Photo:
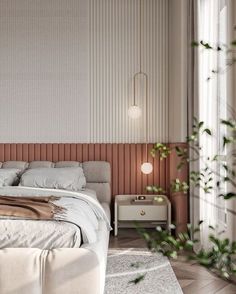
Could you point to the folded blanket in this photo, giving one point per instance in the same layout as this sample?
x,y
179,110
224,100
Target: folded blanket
x,y
30,207
82,210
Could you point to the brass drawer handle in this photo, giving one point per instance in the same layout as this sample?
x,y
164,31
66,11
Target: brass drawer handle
x,y
142,212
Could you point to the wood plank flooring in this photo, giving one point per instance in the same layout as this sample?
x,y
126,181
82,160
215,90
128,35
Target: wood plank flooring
x,y
192,278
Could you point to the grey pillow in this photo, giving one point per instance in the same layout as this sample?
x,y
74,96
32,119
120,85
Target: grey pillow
x,y
68,164
41,164
71,178
97,171
15,164
8,176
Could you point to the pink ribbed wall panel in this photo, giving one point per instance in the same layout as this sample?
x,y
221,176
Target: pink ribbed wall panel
x,y
125,160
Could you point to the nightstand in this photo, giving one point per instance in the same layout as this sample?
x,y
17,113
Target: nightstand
x,y
154,210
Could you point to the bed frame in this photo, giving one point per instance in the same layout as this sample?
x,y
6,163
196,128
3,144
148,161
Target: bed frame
x,y
64,270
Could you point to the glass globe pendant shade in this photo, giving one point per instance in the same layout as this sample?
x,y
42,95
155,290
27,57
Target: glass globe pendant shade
x,y
146,168
134,112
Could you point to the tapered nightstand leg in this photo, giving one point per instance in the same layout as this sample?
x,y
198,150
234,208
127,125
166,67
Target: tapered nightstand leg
x,y
116,221
169,218
115,229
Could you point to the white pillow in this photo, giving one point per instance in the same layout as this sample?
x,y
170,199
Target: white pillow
x,y
71,178
8,176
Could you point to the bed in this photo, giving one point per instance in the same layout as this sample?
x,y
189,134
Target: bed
x,y
81,269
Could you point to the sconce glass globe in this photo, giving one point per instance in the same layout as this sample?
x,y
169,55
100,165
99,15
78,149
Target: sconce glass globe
x,y
146,168
134,111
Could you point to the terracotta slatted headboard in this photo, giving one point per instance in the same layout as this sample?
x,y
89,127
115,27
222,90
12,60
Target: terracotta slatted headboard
x,y
125,160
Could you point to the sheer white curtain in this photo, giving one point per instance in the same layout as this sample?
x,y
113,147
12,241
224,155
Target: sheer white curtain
x,y
212,23
208,33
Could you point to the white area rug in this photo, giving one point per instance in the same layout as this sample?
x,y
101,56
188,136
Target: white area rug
x,y
159,276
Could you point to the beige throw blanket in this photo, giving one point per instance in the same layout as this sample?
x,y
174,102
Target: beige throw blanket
x,y
30,207
84,211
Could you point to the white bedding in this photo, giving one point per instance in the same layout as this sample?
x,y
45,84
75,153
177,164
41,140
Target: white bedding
x,y
52,234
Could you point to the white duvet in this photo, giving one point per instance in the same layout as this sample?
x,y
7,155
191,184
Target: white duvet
x,y
83,212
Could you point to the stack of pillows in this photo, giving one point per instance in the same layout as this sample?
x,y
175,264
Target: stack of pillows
x,y
44,174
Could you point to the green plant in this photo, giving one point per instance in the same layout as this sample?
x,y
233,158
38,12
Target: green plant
x,y
155,189
178,186
162,149
220,257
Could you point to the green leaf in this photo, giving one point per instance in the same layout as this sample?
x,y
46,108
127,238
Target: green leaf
x,y
233,43
225,242
194,44
189,244
228,123
149,188
137,280
204,261
215,158
227,140
208,131
206,45
178,150
159,228
136,264
146,236
200,124
225,166
233,245
189,226
228,195
225,274
173,255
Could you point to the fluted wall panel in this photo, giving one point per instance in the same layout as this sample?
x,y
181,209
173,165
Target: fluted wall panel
x,y
114,59
44,72
66,70
125,161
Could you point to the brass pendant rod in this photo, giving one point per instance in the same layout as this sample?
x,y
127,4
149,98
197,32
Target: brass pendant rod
x,y
141,73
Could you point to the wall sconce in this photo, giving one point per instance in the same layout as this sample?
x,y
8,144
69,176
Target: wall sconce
x,y
146,168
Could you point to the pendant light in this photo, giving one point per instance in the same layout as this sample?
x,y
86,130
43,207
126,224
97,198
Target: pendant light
x,y
134,111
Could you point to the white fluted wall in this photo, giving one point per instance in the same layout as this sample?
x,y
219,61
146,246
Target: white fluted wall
x,y
44,71
66,70
114,59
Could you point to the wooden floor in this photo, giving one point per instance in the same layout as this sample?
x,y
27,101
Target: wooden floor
x,y
192,278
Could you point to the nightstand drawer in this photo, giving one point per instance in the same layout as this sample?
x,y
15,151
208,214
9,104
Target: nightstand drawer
x,y
142,212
